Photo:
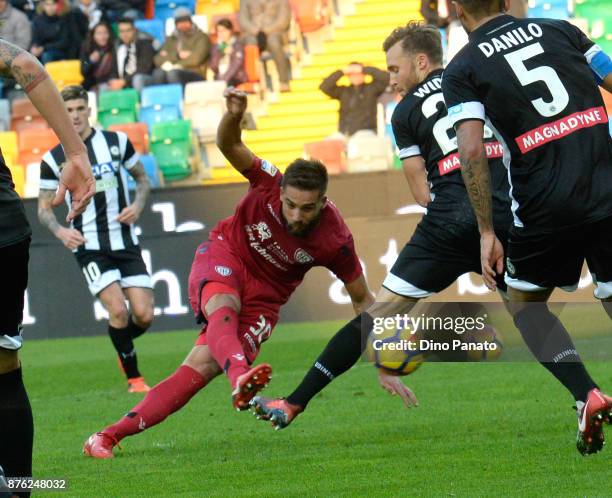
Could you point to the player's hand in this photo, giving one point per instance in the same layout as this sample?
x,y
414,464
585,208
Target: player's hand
x,y
236,101
491,258
70,237
129,215
77,178
394,386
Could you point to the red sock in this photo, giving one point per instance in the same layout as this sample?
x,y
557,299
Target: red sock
x,y
164,399
225,347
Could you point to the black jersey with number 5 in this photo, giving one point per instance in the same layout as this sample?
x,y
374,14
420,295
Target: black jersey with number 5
x,y
532,80
422,128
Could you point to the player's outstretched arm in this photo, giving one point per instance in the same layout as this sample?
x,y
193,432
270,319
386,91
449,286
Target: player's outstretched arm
x,y
131,213
76,176
361,296
477,178
229,139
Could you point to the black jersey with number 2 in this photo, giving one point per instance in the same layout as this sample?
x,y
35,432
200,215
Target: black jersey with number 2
x,y
532,80
422,127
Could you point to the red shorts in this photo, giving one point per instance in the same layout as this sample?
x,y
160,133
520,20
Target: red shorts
x,y
215,261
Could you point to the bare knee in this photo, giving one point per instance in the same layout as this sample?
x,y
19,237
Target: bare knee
x,y
202,362
118,314
142,313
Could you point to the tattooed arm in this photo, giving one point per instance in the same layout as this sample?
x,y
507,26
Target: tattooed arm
x,y
25,69
477,179
131,213
70,237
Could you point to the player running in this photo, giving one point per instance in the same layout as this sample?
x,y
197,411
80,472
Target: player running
x,y
445,243
560,167
103,238
244,273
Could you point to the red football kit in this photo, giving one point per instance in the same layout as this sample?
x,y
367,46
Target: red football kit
x,y
253,253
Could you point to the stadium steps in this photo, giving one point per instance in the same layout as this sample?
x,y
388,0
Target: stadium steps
x,y
306,114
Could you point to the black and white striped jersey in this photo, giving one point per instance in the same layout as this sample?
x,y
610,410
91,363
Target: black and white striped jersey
x,y
111,155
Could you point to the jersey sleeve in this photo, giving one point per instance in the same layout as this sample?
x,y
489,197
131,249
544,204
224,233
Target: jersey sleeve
x,y
49,173
345,264
262,173
578,38
129,156
461,96
404,138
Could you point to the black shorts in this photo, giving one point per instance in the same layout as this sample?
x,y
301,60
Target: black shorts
x,y
439,252
104,268
14,258
540,260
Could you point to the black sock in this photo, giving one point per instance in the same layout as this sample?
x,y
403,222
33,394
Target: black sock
x,y
133,329
16,427
341,353
552,346
124,346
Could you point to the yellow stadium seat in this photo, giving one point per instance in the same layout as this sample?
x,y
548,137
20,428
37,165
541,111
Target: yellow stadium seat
x,y
18,174
211,8
9,147
65,73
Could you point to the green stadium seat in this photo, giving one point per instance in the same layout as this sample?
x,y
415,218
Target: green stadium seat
x,y
117,107
171,146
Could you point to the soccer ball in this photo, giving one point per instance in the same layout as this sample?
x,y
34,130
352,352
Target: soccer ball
x,y
396,352
487,335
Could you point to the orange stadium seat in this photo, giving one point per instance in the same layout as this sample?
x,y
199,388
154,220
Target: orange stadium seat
x,y
138,133
329,152
33,144
65,73
607,100
25,116
310,14
252,66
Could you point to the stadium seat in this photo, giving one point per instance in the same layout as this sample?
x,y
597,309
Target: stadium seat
x,y
203,92
5,114
138,133
367,151
212,8
205,119
33,144
65,73
549,11
9,147
199,20
154,27
311,15
330,153
252,66
117,107
25,116
150,167
607,98
161,103
18,174
164,9
171,146
32,180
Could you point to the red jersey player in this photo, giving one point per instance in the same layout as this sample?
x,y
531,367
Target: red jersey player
x,y
244,273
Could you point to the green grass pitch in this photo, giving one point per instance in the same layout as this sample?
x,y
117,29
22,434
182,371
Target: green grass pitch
x,y
490,429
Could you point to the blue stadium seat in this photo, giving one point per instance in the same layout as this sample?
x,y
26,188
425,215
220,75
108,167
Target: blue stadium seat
x,y
154,27
165,8
153,172
161,103
549,11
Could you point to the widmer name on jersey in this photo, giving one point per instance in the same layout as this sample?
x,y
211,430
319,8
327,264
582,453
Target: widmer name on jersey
x,y
510,39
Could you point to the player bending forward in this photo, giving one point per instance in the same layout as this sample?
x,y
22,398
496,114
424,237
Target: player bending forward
x,y
243,274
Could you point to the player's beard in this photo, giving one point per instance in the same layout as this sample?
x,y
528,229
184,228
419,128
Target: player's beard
x,y
303,230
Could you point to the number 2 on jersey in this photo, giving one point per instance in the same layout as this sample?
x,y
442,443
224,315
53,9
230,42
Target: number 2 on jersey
x,y
545,74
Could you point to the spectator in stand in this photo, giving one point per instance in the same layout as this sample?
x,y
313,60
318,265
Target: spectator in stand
x,y
134,57
118,9
82,18
358,100
98,59
227,55
184,54
50,33
90,13
28,7
266,23
15,26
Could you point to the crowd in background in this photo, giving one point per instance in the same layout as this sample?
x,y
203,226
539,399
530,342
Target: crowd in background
x,y
114,54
